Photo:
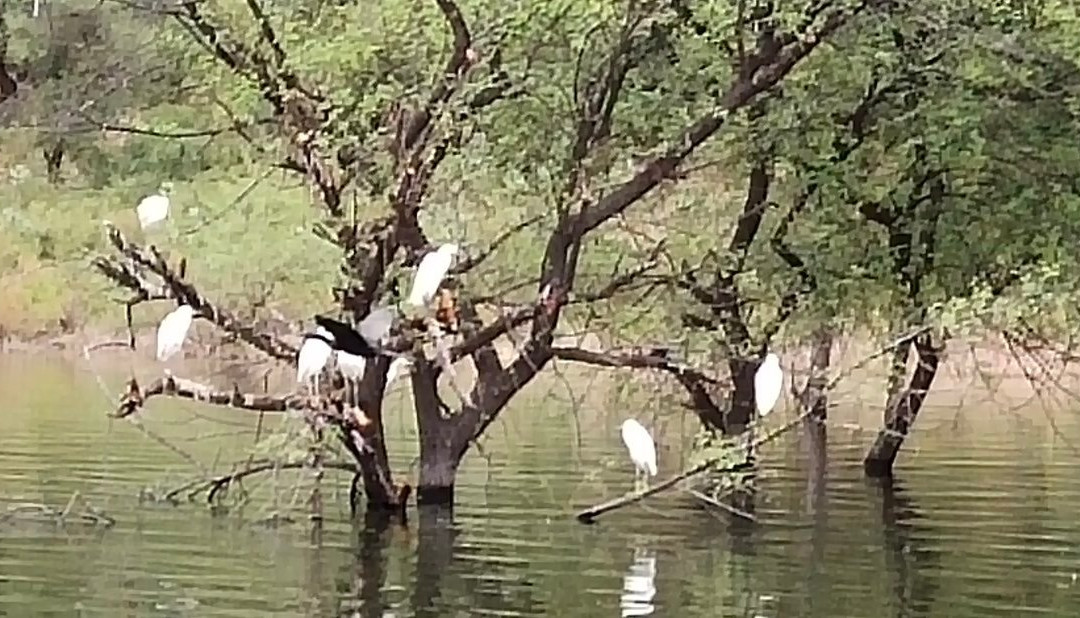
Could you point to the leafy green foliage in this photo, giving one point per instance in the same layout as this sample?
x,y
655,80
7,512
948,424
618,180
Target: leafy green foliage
x,y
979,96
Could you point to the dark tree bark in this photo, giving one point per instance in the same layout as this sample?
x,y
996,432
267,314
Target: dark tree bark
x,y
814,397
911,227
8,85
439,455
900,416
53,154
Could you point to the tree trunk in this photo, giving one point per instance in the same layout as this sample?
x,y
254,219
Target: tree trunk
x,y
368,446
742,396
439,453
900,416
727,307
813,398
8,85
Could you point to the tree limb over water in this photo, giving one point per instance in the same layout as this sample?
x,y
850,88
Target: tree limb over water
x,y
808,407
696,383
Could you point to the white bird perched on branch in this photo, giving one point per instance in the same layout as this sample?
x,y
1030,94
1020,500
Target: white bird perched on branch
x,y
173,330
768,384
429,275
397,367
154,209
376,325
314,354
642,450
353,346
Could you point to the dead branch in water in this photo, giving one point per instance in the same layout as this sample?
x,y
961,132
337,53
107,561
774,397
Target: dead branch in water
x,y
41,512
590,514
213,486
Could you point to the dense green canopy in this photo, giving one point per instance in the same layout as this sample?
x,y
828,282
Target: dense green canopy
x,y
713,177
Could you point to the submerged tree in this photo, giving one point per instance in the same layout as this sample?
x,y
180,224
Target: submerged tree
x,y
373,118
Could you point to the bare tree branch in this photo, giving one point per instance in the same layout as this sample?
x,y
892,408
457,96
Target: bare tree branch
x,y
176,287
694,381
473,261
134,398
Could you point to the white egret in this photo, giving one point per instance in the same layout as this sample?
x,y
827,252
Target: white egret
x,y
314,354
768,384
642,450
154,209
351,367
376,325
173,330
346,338
397,367
353,346
429,275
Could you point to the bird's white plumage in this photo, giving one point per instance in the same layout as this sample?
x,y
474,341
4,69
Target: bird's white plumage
x,y
397,366
152,210
768,384
641,446
351,365
429,275
376,325
173,330
313,356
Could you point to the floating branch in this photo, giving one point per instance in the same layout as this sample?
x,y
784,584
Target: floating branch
x,y
590,514
42,512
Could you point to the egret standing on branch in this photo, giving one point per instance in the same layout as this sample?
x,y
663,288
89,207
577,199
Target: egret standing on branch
x,y
768,384
154,209
429,275
642,450
397,366
173,330
313,356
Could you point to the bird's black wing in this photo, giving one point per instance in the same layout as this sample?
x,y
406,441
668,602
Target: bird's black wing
x,y
346,338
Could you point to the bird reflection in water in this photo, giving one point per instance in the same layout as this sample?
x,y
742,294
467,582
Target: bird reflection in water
x,y
639,585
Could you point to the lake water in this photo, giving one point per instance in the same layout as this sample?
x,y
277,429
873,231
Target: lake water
x,y
983,519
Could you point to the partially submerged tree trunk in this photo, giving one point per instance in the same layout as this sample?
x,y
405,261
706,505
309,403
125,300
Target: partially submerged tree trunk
x,y
814,398
911,227
814,403
900,416
439,454
422,139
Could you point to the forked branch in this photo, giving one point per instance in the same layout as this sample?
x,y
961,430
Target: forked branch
x,y
129,271
135,397
696,383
